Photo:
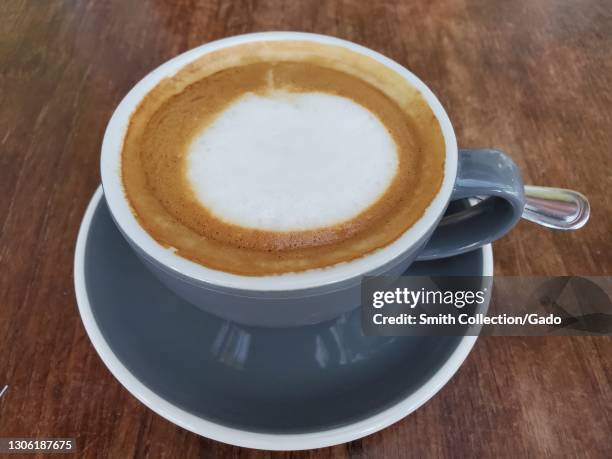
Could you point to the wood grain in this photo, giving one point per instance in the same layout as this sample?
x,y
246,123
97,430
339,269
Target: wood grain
x,y
530,78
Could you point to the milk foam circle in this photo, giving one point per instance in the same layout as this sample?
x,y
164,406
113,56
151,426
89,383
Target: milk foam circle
x,y
291,161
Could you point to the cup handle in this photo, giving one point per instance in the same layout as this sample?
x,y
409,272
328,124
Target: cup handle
x,y
493,179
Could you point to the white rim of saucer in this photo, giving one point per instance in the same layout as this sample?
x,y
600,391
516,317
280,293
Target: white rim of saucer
x,y
112,145
243,438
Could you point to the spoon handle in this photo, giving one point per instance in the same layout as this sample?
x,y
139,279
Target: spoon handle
x,y
556,208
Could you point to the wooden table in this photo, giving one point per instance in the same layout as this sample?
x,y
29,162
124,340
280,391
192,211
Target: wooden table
x,y
531,78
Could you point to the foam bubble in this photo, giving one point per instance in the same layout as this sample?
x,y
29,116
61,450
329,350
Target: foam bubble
x,y
291,161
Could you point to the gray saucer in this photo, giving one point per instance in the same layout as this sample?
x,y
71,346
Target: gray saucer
x,y
260,380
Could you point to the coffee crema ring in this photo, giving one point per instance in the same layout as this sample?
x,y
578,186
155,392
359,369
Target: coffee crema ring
x,y
184,140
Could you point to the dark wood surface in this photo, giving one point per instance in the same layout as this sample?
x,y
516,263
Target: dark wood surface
x,y
531,78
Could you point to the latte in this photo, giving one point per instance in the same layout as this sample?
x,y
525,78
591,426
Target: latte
x,y
281,156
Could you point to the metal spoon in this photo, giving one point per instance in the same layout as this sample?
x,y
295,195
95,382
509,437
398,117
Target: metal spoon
x,y
556,208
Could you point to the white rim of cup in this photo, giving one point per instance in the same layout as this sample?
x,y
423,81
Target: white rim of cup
x,y
243,438
120,209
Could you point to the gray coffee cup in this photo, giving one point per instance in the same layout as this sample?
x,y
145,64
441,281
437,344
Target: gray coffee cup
x,y
313,296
